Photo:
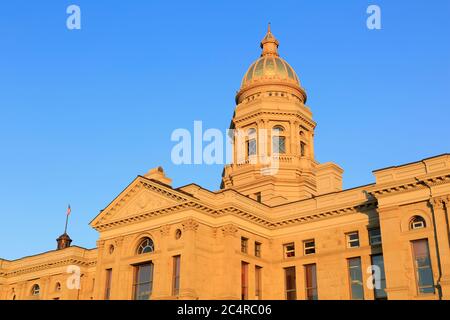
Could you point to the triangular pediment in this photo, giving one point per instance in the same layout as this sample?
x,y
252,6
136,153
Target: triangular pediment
x,y
141,196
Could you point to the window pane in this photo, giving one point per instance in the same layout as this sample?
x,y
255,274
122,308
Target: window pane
x,y
258,279
424,271
380,293
355,275
244,245
108,284
309,247
176,276
311,282
278,144
251,147
143,282
244,280
291,293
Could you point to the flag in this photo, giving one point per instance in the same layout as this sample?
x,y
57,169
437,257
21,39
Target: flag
x,y
68,210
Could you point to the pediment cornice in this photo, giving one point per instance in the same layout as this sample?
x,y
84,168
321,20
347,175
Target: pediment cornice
x,y
164,197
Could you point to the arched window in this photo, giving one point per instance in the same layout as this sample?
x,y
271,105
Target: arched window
x,y
278,140
58,286
417,222
145,246
302,149
251,142
303,145
35,290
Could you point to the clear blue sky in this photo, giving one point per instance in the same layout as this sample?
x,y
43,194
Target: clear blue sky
x,y
84,112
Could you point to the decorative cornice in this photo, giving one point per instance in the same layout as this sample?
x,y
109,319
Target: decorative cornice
x,y
50,264
261,220
298,115
412,185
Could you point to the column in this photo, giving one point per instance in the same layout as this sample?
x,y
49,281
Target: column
x,y
397,274
116,292
231,267
294,140
162,282
442,237
98,288
188,272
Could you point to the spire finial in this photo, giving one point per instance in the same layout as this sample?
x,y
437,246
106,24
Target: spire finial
x,y
269,44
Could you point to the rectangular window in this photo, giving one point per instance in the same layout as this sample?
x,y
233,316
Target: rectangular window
x,y
259,197
290,283
379,284
176,276
375,236
356,280
257,249
352,239
311,282
279,144
244,245
251,147
422,265
244,281
108,284
309,247
143,281
289,250
302,149
258,282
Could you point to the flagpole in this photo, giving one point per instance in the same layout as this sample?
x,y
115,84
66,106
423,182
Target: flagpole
x,y
67,217
67,220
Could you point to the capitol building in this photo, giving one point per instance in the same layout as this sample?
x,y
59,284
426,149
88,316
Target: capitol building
x,y
293,233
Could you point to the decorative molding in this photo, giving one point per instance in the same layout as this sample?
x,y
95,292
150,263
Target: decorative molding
x,y
231,210
410,186
118,242
165,230
311,124
437,203
51,264
446,201
190,224
125,197
229,230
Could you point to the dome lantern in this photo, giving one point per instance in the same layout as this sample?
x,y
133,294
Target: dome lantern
x,y
269,44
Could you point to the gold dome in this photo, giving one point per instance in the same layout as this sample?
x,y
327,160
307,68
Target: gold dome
x,y
270,69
